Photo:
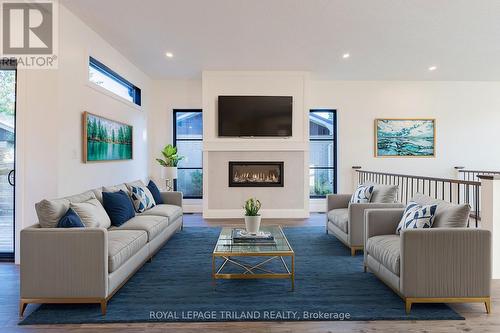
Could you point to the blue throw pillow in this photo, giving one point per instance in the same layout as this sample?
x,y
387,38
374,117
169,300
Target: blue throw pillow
x,y
118,206
70,220
155,192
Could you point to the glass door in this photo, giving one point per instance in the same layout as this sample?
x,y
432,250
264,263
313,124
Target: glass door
x,y
7,160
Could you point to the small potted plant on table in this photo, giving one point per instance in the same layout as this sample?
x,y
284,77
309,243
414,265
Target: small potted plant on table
x,y
252,216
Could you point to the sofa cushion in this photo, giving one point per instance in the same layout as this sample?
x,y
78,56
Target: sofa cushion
x,y
339,218
51,211
362,194
118,206
155,192
170,211
141,198
417,217
383,193
122,245
116,188
447,215
70,220
386,249
153,225
98,193
137,183
92,213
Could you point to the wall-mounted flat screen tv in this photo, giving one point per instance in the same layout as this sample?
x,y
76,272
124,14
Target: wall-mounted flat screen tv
x,y
255,116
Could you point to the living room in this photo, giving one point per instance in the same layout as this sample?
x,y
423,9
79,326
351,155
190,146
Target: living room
x,y
346,146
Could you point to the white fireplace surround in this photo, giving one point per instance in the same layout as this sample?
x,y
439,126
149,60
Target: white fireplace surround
x,y
222,201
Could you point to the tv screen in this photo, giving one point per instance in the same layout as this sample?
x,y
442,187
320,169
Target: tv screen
x,y
264,116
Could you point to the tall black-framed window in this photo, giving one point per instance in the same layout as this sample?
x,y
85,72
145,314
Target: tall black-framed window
x,y
8,100
322,152
188,138
108,79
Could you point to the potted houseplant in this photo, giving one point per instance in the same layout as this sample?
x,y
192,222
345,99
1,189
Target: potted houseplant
x,y
252,216
169,162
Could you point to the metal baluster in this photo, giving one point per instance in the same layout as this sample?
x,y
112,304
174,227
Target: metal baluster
x,y
476,203
406,199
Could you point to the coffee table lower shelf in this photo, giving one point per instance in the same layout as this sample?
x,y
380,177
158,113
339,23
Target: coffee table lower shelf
x,y
254,270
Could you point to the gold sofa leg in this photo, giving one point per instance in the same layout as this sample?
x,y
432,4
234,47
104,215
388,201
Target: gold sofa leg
x,y
104,305
408,304
485,300
355,248
22,307
487,304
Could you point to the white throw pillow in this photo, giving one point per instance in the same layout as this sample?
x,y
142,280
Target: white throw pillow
x,y
141,198
362,194
417,217
92,213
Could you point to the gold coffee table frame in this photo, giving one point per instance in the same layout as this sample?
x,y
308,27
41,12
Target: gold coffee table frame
x,y
231,254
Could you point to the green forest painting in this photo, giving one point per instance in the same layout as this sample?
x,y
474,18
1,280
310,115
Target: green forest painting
x,y
105,139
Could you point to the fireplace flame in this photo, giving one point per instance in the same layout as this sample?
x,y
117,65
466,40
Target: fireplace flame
x,y
256,177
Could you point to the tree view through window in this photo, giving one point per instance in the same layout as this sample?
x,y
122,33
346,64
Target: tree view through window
x,y
7,157
188,138
322,159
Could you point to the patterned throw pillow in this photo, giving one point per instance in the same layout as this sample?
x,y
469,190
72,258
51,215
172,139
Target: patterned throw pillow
x,y
416,216
141,198
362,194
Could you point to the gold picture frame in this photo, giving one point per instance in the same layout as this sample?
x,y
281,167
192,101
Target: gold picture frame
x,y
122,138
406,148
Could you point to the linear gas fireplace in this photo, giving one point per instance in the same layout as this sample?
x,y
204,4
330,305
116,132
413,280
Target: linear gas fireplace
x,y
255,174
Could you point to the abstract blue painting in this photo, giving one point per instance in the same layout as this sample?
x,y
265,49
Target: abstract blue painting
x,y
405,137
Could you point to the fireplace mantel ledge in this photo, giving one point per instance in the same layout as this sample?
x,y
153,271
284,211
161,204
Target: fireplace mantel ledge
x,y
255,146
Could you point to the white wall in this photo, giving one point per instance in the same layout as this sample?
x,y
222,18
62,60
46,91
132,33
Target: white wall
x,y
466,114
168,95
220,200
467,122
49,124
76,95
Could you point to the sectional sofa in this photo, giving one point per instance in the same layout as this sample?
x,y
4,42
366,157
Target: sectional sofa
x,y
89,265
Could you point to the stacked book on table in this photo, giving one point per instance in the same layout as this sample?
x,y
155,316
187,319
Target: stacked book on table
x,y
242,237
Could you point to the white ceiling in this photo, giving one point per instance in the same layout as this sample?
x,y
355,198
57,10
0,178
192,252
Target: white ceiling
x,y
387,39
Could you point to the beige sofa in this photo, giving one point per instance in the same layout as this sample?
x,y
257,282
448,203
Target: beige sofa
x,y
447,263
345,220
89,265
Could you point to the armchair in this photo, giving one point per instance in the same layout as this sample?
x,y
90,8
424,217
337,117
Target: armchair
x,y
435,265
345,220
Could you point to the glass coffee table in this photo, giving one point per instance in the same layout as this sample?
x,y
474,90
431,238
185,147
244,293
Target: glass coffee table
x,y
230,260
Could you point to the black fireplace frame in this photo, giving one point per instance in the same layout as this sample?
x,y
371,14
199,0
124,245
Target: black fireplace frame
x,y
281,183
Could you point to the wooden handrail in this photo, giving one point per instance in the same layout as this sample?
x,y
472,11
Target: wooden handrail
x,y
434,179
480,171
457,191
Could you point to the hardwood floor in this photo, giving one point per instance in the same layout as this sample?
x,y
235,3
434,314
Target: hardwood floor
x,y
476,318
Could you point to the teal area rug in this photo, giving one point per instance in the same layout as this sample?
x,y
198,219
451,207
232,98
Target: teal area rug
x,y
177,286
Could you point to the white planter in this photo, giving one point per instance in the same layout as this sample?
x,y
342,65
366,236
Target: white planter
x,y
169,173
252,224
